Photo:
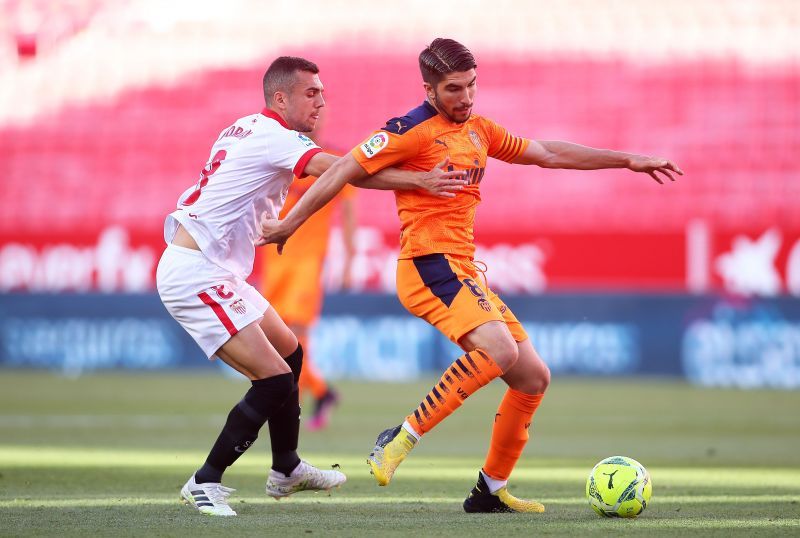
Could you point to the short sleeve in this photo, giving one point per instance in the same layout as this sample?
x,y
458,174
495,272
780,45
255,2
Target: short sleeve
x,y
384,149
290,150
503,145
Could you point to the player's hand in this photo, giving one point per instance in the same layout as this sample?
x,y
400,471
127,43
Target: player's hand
x,y
442,182
651,165
272,231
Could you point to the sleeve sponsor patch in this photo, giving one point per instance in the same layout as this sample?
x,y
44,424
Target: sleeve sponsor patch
x,y
374,145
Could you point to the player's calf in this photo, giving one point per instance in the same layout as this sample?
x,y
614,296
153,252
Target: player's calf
x,y
284,424
466,375
244,421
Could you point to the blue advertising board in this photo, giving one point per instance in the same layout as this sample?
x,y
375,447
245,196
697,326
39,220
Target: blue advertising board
x,y
710,340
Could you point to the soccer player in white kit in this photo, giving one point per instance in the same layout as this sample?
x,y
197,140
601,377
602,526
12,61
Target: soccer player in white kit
x,y
211,239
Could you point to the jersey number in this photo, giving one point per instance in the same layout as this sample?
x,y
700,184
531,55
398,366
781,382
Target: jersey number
x,y
473,287
207,172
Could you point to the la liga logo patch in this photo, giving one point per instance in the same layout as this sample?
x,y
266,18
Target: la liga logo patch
x,y
374,145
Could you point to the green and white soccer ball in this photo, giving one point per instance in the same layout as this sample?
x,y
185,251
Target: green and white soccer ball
x,y
619,487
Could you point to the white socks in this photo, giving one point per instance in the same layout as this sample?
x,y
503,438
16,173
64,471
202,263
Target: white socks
x,y
493,484
407,427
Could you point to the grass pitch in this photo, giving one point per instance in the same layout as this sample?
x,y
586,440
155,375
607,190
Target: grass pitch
x,y
106,455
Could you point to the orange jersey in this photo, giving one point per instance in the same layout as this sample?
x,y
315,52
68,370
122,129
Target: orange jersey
x,y
420,140
292,281
311,239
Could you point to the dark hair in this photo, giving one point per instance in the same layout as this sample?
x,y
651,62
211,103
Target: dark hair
x,y
281,74
444,56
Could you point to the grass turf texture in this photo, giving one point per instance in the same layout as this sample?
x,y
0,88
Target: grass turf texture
x,y
107,455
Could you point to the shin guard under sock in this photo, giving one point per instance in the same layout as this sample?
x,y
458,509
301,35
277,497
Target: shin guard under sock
x,y
284,425
241,428
510,432
466,375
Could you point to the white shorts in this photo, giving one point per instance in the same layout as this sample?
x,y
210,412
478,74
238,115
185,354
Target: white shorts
x,y
209,302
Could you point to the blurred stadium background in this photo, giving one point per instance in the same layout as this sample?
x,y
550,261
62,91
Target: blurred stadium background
x,y
108,109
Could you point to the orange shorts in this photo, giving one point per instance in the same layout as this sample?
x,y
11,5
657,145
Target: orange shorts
x,y
447,292
294,290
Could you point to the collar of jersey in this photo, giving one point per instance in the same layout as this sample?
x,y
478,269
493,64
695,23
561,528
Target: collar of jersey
x,y
268,112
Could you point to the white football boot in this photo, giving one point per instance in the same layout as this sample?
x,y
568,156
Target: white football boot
x,y
305,477
210,498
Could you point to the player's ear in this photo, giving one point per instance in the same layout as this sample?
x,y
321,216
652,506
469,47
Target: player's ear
x,y
279,99
429,91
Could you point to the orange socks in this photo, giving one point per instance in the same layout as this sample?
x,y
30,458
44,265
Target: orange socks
x,y
310,378
510,432
467,374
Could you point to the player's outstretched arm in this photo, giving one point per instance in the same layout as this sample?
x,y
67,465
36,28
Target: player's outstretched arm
x,y
437,181
558,154
319,164
330,182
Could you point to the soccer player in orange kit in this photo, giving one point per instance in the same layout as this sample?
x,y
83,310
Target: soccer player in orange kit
x,y
436,276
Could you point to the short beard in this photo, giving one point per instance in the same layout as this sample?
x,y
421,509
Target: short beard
x,y
301,127
441,109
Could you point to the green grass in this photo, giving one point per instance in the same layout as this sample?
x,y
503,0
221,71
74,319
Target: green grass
x,y
106,456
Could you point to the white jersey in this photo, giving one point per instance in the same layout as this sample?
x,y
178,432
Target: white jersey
x,y
251,166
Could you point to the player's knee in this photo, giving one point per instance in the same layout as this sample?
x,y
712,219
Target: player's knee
x,y
495,339
504,352
539,382
267,394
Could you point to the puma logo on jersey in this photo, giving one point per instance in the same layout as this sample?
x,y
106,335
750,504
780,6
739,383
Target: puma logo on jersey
x,y
437,141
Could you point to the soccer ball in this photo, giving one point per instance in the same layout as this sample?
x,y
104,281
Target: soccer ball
x,y
619,487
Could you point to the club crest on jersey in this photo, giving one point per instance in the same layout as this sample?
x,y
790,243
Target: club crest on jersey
x,y
239,307
371,147
475,139
307,142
